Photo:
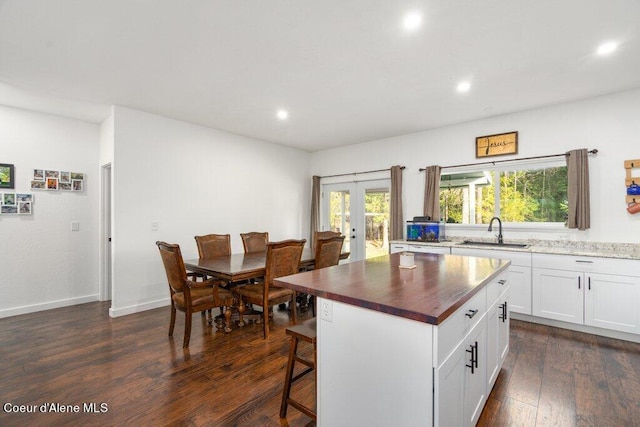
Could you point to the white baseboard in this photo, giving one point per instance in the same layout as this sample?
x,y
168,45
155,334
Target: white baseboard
x,y
32,308
117,312
579,328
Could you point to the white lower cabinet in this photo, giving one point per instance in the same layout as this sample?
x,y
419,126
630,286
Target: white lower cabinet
x,y
466,367
558,294
497,335
462,378
519,274
597,292
520,296
611,302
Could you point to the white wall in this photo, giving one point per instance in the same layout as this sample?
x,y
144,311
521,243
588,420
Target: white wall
x,y
609,123
194,180
43,264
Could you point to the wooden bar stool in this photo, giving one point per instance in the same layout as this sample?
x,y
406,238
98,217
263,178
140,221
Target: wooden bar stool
x,y
306,331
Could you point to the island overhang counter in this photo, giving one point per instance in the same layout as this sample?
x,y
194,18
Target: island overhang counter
x,y
391,340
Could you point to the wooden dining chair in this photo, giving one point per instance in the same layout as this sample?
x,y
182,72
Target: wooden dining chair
x,y
323,235
254,241
283,259
327,253
213,245
190,296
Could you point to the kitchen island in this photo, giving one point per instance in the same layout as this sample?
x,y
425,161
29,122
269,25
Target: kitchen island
x,y
419,346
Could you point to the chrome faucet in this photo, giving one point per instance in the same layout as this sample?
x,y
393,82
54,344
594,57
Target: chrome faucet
x,y
500,242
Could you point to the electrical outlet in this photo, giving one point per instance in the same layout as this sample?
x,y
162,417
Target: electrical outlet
x,y
326,310
75,225
155,226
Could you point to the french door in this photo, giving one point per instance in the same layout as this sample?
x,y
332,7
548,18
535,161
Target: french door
x,y
360,211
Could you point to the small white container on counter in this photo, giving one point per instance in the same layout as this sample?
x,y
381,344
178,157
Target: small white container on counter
x,y
407,260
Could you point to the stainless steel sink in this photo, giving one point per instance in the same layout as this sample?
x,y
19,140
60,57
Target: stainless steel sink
x,y
494,244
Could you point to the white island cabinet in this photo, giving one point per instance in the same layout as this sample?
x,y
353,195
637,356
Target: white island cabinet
x,y
406,347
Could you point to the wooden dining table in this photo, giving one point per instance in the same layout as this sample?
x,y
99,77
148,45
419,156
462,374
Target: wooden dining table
x,y
240,267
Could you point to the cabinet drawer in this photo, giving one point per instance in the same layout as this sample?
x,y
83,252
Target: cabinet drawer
x,y
496,288
449,334
624,267
517,258
429,249
397,247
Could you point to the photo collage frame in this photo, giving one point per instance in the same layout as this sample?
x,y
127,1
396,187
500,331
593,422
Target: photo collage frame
x,y
45,179
16,203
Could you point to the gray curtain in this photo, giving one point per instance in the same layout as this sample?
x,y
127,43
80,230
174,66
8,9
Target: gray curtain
x,y
432,192
578,189
315,208
396,228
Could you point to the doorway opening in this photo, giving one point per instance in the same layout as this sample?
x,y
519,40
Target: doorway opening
x,y
106,285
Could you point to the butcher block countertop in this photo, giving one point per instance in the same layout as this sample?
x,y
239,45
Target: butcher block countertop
x,y
429,293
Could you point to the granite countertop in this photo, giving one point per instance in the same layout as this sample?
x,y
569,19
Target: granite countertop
x,y
559,247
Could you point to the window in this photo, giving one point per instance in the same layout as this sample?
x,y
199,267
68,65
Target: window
x,y
526,193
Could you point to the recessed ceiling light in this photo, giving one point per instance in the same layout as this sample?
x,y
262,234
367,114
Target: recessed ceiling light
x,y
463,87
282,114
412,21
607,48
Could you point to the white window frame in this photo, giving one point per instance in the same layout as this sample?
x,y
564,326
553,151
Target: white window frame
x,y
509,166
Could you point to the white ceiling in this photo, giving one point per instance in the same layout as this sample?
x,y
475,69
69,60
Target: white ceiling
x,y
346,70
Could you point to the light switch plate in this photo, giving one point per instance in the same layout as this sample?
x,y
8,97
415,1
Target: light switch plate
x,y
155,226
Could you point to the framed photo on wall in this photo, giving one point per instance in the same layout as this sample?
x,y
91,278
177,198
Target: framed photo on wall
x,y
24,208
7,176
9,209
52,183
38,185
65,178
9,199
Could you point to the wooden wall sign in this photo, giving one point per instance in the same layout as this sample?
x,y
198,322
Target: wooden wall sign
x,y
497,145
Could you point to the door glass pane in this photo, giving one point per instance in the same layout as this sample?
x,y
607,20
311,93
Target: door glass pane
x,y
340,215
376,205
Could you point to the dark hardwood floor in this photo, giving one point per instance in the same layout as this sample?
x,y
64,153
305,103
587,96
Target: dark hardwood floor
x,y
79,355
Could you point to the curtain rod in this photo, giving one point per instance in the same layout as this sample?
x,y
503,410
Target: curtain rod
x,y
594,151
358,173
